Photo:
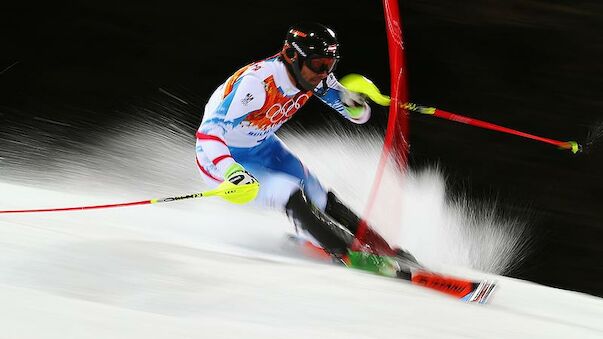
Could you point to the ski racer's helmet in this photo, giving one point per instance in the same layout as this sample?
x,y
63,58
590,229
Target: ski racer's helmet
x,y
313,45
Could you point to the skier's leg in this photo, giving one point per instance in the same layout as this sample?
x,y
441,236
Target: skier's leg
x,y
286,184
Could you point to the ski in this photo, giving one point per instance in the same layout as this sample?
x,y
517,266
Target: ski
x,y
462,289
405,267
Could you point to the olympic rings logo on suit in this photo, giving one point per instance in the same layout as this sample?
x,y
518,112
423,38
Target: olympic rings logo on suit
x,y
279,112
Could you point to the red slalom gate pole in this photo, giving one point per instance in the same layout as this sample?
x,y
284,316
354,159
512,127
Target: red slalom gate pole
x,y
397,127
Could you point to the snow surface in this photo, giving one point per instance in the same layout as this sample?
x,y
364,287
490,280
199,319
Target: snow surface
x,y
207,269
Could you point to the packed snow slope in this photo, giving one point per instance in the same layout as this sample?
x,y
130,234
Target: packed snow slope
x,y
206,269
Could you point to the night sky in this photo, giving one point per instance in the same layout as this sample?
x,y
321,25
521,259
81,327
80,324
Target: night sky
x,y
530,65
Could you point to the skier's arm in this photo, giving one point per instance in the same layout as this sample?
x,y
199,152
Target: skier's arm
x,y
247,95
351,106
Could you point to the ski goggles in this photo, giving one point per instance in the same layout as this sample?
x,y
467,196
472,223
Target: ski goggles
x,y
321,64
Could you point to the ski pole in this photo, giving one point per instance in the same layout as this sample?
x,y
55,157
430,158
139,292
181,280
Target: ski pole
x,y
228,191
358,83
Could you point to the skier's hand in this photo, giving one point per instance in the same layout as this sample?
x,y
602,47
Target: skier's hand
x,y
352,99
356,105
237,175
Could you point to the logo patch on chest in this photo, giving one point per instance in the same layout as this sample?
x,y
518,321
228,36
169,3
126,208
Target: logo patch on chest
x,y
248,97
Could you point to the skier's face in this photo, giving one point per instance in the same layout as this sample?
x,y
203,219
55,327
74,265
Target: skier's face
x,y
316,69
314,77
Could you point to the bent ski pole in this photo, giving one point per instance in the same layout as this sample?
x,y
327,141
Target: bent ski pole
x,y
358,83
228,191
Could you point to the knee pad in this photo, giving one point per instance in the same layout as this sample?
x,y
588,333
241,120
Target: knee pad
x,y
334,238
341,213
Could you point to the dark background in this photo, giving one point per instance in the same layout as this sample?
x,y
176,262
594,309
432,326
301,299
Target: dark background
x,y
531,65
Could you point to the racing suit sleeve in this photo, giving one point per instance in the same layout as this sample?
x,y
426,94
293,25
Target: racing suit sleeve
x,y
332,97
247,95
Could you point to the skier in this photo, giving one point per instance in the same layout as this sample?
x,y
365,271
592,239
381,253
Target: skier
x,y
236,141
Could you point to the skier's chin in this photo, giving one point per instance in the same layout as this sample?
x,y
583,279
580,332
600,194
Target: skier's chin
x,y
314,81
